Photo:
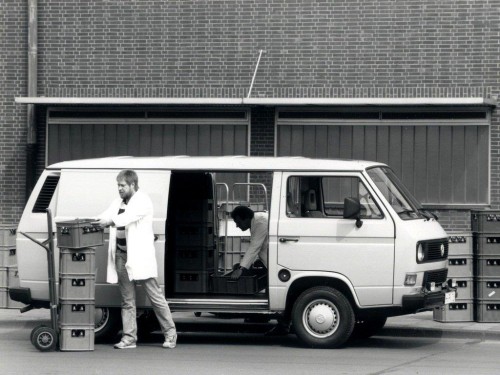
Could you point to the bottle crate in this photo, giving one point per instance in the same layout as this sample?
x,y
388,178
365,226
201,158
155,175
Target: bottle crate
x,y
460,266
488,266
4,297
12,277
485,221
488,288
487,244
459,311
252,284
77,311
192,282
199,258
78,233
8,235
7,256
79,261
487,311
76,337
4,277
199,234
74,286
465,288
196,210
460,243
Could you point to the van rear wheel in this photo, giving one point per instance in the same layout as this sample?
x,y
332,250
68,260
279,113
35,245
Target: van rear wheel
x,y
323,318
107,323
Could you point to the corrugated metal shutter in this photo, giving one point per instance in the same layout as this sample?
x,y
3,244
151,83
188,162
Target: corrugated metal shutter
x,y
73,137
441,165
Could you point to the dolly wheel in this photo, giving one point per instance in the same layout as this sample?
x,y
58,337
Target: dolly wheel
x,y
45,339
32,334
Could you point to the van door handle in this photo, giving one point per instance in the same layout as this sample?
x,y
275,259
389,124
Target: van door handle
x,y
287,239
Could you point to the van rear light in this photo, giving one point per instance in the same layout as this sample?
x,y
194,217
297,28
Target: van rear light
x,y
410,279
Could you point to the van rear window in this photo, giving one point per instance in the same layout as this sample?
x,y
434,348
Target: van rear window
x,y
45,196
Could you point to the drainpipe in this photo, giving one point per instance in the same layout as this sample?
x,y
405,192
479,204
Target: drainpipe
x,y
31,146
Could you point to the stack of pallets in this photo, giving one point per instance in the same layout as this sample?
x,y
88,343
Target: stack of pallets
x,y
77,240
8,266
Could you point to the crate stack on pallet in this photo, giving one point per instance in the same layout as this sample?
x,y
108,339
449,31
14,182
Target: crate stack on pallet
x,y
486,228
77,240
194,245
461,270
8,266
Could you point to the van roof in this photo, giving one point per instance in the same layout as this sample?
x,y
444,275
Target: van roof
x,y
214,163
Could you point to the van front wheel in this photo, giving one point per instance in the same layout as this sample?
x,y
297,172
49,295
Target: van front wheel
x,y
323,318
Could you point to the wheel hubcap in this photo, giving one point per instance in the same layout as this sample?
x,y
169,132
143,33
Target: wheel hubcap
x,y
321,318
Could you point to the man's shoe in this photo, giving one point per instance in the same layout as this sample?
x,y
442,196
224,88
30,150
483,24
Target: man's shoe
x,y
125,345
278,330
170,342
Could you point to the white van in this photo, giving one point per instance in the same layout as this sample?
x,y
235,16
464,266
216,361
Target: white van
x,y
349,245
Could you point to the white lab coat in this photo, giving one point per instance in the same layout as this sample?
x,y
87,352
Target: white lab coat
x,y
138,222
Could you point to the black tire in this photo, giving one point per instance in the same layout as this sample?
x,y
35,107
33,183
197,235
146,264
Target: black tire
x,y
197,314
107,323
45,339
323,318
32,334
367,327
147,323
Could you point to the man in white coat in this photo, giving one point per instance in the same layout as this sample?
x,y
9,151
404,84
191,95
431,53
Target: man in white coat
x,y
131,257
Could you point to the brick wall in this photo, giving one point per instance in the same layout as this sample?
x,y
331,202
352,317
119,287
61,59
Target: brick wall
x,y
13,72
193,48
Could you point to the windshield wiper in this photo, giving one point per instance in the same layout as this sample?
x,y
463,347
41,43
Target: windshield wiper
x,y
427,214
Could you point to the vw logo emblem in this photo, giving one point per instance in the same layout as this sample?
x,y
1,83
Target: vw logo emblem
x,y
442,250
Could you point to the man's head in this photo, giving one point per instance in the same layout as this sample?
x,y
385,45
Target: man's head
x,y
242,216
128,184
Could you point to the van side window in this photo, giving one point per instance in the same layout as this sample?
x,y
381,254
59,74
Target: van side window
x,y
317,197
46,194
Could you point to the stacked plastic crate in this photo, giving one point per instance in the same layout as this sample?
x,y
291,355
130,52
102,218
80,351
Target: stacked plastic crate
x,y
77,240
461,270
8,266
486,228
194,245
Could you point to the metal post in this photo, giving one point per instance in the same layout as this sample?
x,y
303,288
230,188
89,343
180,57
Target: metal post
x,y
255,73
32,92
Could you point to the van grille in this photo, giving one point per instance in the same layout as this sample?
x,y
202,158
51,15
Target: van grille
x,y
432,249
437,276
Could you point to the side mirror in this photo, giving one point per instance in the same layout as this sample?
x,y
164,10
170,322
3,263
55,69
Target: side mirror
x,y
352,210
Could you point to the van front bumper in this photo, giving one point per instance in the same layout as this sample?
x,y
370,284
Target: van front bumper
x,y
426,299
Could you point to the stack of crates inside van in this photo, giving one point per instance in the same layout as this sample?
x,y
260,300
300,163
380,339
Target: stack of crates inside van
x,y
194,245
77,240
461,270
8,266
486,228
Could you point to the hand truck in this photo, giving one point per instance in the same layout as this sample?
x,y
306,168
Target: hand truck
x,y
46,338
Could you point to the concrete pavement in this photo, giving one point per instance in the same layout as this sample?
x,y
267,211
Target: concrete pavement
x,y
415,325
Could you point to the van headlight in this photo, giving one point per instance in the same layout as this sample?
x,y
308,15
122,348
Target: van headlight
x,y
420,253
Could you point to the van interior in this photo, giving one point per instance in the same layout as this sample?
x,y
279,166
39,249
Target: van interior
x,y
202,241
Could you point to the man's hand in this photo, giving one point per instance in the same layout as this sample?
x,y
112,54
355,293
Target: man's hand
x,y
101,223
235,275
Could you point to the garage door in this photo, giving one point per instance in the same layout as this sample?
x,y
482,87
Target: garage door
x,y
77,134
441,154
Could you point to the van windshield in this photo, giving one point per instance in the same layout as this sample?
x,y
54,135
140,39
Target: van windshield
x,y
398,196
